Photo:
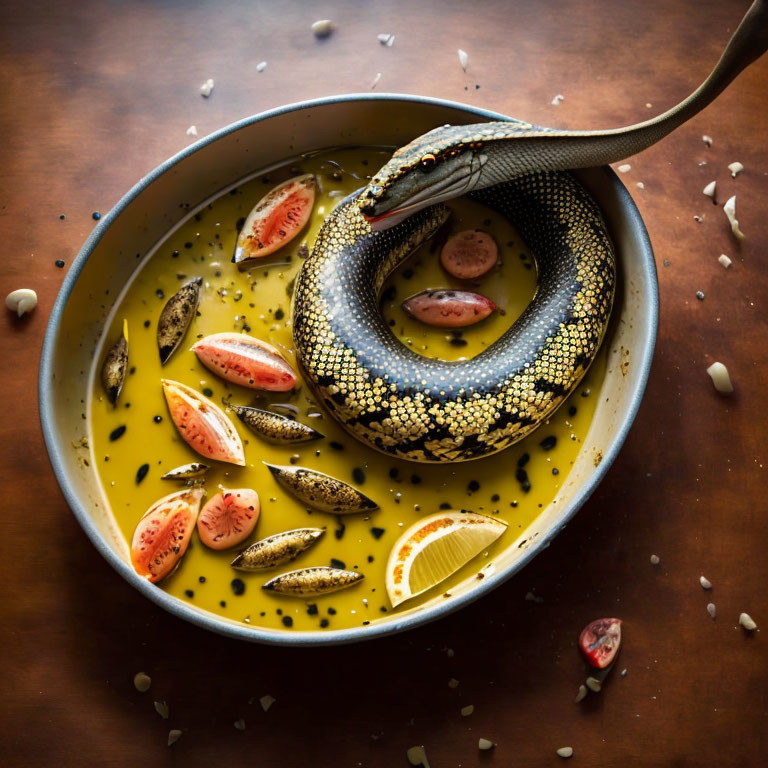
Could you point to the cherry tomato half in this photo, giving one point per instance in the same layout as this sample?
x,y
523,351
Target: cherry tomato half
x,y
600,640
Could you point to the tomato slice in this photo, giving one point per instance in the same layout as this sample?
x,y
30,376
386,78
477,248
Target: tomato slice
x,y
276,219
228,518
469,254
163,533
448,308
600,640
246,361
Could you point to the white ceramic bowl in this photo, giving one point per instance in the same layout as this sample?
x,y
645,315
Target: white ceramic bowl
x,y
152,208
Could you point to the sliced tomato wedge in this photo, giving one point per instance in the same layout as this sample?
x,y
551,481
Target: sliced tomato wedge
x,y
162,536
600,640
202,424
276,219
448,308
229,518
246,361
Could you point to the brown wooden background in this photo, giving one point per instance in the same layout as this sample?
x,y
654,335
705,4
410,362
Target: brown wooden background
x,y
95,94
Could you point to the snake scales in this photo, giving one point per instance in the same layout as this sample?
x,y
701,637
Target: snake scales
x,y
436,411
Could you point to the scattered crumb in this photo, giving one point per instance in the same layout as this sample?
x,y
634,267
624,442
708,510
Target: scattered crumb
x,y
700,295
207,87
698,219
705,582
142,681
467,711
322,28
267,701
730,211
747,622
261,66
192,130
385,39
449,653
582,694
711,610
463,59
655,559
594,684
239,724
624,168
707,140
173,736
556,101
564,752
640,185
624,672
161,707
376,80
724,260
453,683
720,378
485,744
533,598
735,169
709,190
417,756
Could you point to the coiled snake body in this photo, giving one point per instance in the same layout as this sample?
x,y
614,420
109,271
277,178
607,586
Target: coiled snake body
x,y
436,411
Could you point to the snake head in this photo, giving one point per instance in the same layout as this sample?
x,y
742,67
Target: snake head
x,y
444,163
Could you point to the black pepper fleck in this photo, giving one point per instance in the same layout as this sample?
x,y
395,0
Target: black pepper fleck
x,y
548,443
324,623
377,533
238,586
141,473
117,433
208,392
340,564
157,419
279,314
358,475
473,485
189,593
287,621
312,609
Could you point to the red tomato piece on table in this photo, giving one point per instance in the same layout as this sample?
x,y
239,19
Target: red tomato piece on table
x,y
600,640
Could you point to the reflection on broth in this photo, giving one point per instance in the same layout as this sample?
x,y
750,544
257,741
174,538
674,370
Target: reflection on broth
x,y
135,442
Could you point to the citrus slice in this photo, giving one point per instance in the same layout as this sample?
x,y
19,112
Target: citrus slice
x,y
434,548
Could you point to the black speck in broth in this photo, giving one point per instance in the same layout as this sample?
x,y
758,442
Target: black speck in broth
x,y
548,443
287,621
117,433
141,473
340,564
238,586
339,532
377,533
358,475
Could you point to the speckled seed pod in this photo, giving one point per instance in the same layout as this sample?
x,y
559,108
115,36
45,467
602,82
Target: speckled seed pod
x,y
277,550
115,365
176,317
321,491
186,471
313,581
273,427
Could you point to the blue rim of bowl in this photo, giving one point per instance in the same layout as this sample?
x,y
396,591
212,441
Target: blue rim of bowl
x,y
231,628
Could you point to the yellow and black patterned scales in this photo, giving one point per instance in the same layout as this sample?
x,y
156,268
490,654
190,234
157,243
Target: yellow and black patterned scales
x,y
432,410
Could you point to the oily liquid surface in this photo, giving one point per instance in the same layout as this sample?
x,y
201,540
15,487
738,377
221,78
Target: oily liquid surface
x,y
257,300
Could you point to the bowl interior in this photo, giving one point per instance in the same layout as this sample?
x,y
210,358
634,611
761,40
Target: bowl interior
x,y
163,199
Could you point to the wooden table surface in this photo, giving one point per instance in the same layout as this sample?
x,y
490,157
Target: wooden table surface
x,y
93,95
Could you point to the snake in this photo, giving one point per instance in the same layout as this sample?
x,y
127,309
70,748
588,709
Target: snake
x,y
428,410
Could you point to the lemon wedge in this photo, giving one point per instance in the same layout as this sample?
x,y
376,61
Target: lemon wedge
x,y
434,548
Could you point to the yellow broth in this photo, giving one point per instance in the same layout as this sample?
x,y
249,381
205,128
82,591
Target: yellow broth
x,y
257,300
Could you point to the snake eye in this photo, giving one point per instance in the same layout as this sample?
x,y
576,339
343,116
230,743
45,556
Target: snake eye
x,y
427,162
